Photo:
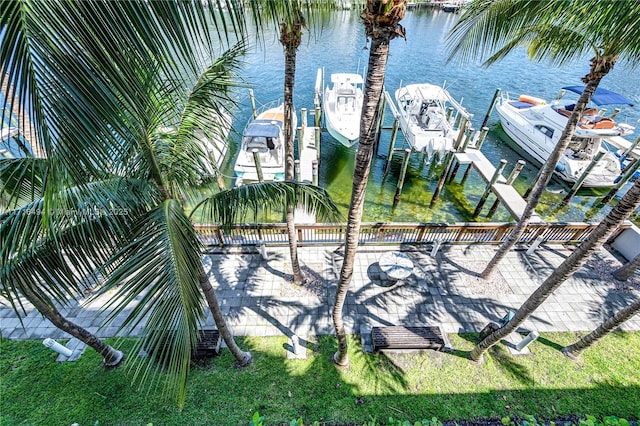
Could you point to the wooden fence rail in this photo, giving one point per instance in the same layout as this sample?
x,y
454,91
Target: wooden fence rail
x,y
394,233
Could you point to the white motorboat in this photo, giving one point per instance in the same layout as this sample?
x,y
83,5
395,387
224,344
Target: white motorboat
x,y
265,136
425,120
342,106
536,126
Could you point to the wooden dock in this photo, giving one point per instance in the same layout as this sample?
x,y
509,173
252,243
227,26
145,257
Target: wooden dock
x,y
507,194
623,144
308,155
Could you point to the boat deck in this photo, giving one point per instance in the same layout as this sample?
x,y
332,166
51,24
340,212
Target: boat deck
x,y
507,194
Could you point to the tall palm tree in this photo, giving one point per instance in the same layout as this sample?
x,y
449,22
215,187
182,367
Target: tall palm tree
x,y
382,24
559,31
573,351
121,109
288,16
592,244
625,271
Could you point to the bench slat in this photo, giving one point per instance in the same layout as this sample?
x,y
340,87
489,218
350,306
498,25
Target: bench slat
x,y
401,337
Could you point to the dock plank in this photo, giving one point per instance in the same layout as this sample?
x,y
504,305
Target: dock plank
x,y
623,144
308,154
507,194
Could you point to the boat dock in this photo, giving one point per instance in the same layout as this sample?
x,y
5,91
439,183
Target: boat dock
x,y
623,144
306,167
500,186
507,194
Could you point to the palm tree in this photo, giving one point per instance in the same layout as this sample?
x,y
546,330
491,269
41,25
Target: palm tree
x,y
382,24
288,16
561,32
592,244
625,271
121,111
573,351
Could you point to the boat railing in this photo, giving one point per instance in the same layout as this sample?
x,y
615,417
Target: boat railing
x,y
275,234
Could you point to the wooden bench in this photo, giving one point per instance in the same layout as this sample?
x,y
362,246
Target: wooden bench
x,y
401,338
208,345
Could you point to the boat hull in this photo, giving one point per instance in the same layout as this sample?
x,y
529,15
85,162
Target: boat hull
x,y
527,130
342,107
423,117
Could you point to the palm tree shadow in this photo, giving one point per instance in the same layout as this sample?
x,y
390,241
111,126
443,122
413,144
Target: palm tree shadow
x,y
549,343
509,365
386,372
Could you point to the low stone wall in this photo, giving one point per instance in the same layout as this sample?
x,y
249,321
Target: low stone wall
x,y
627,243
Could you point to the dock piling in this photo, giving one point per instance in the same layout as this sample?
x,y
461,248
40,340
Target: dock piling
x,y
488,114
449,114
483,134
633,146
576,186
392,143
447,166
380,120
256,160
317,142
303,114
467,139
403,172
487,191
253,103
615,112
625,177
300,140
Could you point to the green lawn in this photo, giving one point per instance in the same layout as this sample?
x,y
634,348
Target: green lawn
x,y
36,390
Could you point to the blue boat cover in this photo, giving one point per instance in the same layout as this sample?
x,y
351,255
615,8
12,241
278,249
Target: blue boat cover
x,y
264,128
602,96
520,105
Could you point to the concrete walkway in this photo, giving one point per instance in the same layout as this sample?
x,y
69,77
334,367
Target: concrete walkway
x,y
258,299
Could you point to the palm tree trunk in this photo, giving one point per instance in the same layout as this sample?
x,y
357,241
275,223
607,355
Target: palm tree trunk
x,y
111,357
242,358
600,66
290,37
574,351
374,87
625,271
593,243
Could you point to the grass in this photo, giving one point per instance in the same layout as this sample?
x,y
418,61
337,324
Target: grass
x,y
35,390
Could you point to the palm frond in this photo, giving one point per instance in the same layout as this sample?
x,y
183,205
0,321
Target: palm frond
x,y
234,205
313,15
160,269
183,155
559,31
75,222
21,180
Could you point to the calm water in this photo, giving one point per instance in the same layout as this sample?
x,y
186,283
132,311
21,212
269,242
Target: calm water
x,y
422,58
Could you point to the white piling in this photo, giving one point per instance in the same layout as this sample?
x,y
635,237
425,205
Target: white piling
x,y
263,250
534,245
57,347
531,337
436,247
